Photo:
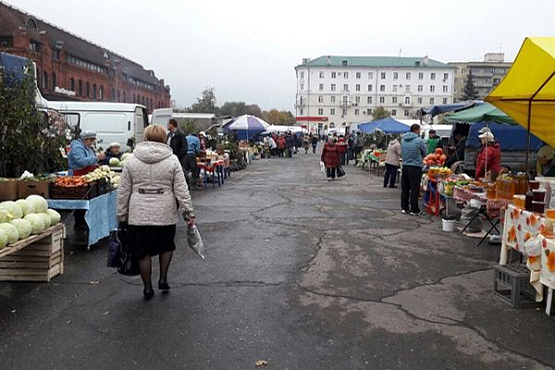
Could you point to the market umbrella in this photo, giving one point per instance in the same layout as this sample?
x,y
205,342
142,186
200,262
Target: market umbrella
x,y
386,125
434,110
527,93
246,126
481,113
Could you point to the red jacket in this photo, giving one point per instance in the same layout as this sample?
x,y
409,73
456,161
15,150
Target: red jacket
x,y
342,145
330,155
281,142
493,153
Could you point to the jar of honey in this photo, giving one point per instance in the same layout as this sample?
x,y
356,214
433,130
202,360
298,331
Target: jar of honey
x,y
492,190
519,200
550,213
533,184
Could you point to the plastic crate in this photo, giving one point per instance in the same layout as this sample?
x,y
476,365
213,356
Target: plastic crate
x,y
81,192
511,284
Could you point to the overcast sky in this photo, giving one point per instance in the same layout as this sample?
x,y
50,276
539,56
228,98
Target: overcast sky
x,y
247,50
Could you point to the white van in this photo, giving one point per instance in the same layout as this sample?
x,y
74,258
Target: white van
x,y
120,122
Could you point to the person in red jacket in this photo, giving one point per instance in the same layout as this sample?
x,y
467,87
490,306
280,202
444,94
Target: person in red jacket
x,y
281,142
330,157
489,158
342,145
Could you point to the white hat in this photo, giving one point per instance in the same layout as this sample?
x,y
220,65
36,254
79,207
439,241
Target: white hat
x,y
114,145
487,135
484,129
202,133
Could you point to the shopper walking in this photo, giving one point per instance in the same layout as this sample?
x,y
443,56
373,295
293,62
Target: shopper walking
x,y
176,141
342,145
330,156
392,163
413,150
290,143
306,143
359,145
281,145
151,193
314,140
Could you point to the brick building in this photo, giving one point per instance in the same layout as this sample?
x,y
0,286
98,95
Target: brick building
x,y
71,68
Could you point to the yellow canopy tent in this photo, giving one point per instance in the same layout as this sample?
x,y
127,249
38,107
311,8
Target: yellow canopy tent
x,y
527,93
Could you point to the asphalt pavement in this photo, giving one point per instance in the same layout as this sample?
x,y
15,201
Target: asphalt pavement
x,y
300,273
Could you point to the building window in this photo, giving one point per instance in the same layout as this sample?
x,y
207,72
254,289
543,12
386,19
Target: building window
x,y
321,74
432,76
382,99
394,100
54,81
395,75
332,87
72,84
320,111
420,88
101,93
369,87
419,100
45,80
346,74
302,74
357,87
432,88
345,100
382,75
301,111
332,111
406,113
356,112
135,101
420,75
344,112
125,98
118,96
445,88
357,99
87,90
333,75
345,87
382,88
321,87
407,88
394,88
407,76
369,100
407,100
369,111
332,99
301,87
444,100
432,101
94,96
358,75
445,76
320,99
80,88
394,112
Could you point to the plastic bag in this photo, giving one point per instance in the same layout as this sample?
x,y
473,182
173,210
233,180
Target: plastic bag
x,y
322,168
114,253
195,241
340,171
129,266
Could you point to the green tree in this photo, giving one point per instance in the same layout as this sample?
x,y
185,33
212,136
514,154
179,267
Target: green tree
x,y
469,91
277,117
233,108
379,113
206,103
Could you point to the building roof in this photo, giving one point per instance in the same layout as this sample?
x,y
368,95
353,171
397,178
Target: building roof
x,y
12,19
392,62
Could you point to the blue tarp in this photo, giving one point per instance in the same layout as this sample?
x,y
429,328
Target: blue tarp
x,y
14,67
387,125
509,137
434,110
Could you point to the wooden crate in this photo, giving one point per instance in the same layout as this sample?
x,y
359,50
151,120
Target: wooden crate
x,y
37,258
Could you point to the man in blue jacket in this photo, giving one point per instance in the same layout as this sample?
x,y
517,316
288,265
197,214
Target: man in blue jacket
x,y
193,149
413,150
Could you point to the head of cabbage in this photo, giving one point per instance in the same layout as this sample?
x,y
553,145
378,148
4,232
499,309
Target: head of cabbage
x,y
23,228
39,203
26,206
11,232
5,216
3,239
13,208
37,223
55,217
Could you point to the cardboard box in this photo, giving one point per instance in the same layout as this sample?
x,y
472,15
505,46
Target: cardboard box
x,y
26,188
8,189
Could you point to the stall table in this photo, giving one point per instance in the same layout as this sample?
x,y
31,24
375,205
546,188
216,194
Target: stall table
x,y
100,214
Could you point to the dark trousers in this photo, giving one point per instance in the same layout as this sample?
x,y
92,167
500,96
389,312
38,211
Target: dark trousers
x,y
410,188
190,165
358,149
314,148
330,172
343,156
390,175
290,152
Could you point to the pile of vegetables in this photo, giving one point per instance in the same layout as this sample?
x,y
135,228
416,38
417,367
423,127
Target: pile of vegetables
x,y
25,217
70,181
114,162
103,172
435,159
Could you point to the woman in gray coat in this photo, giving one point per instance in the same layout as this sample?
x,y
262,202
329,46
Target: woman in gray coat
x,y
151,193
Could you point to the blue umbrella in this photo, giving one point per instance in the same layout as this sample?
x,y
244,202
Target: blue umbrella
x,y
386,125
246,126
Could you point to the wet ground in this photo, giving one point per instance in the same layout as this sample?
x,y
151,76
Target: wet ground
x,y
299,272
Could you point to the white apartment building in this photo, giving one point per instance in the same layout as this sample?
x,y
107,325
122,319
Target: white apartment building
x,y
334,92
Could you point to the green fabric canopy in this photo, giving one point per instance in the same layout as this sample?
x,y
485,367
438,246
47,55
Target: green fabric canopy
x,y
481,113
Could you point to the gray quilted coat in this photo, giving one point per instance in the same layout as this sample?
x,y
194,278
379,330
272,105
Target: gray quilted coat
x,y
153,188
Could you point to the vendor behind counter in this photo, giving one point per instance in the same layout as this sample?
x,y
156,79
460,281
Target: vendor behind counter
x,y
81,158
545,165
113,151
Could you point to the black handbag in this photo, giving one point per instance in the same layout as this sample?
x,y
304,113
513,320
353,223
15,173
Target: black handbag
x,y
114,253
340,171
129,266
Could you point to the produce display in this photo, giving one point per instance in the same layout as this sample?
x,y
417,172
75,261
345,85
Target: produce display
x,y
103,172
439,172
70,181
114,162
25,217
436,158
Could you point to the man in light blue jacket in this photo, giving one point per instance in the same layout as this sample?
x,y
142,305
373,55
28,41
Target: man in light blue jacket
x,y
413,150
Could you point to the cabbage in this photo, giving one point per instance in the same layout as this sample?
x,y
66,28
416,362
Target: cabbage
x,y
37,225
23,228
124,156
13,208
113,162
55,217
39,203
5,216
26,206
3,239
45,219
11,232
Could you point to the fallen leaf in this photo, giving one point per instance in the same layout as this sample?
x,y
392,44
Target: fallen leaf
x,y
261,363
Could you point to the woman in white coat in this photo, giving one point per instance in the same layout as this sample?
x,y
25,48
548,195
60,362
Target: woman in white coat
x,y
151,193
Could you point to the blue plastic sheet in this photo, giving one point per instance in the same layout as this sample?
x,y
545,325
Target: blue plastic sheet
x,y
100,213
509,137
